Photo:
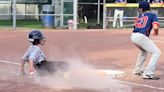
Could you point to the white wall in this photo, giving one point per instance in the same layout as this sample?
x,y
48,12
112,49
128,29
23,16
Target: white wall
x,y
32,9
5,9
21,9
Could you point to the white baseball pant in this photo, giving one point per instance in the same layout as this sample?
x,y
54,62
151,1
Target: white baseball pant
x,y
117,13
145,44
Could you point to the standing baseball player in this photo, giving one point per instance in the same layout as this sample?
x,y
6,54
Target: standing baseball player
x,y
140,37
36,58
119,13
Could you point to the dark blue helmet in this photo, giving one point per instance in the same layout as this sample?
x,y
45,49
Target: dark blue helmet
x,y
144,5
35,34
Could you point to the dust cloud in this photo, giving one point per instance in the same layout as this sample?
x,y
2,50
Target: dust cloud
x,y
82,76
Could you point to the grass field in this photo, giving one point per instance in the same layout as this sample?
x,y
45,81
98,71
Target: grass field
x,y
22,23
37,24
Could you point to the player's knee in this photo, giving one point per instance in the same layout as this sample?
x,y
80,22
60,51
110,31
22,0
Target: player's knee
x,y
143,53
157,53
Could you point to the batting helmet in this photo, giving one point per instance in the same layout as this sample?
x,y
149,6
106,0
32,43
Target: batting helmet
x,y
144,5
35,34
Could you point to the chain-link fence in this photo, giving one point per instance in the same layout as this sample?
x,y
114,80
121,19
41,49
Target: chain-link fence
x,y
31,13
116,14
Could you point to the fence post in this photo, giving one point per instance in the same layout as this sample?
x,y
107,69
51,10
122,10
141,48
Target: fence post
x,y
75,5
104,14
14,14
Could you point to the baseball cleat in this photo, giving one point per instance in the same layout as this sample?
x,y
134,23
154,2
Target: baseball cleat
x,y
151,77
138,73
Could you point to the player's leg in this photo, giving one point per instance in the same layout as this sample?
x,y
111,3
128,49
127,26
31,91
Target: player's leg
x,y
121,17
148,45
51,67
138,70
43,68
136,38
115,17
154,50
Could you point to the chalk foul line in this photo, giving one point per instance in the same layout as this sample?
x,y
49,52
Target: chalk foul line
x,y
8,62
142,85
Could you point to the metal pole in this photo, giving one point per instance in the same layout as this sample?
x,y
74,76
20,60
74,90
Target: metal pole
x,y
14,14
75,6
62,14
104,14
98,12
10,11
53,2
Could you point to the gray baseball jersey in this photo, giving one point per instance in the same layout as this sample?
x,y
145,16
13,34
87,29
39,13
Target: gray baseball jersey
x,y
35,53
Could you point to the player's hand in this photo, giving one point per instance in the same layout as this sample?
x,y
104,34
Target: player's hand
x,y
32,74
155,34
155,30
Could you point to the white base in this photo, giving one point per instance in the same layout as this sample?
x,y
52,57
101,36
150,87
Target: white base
x,y
101,73
110,73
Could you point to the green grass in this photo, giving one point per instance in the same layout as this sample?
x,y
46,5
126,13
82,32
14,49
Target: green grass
x,y
33,24
38,24
29,24
5,22
22,23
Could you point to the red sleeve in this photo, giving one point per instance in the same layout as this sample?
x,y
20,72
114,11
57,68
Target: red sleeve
x,y
155,22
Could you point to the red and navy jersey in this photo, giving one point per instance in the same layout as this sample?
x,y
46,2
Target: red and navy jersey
x,y
144,23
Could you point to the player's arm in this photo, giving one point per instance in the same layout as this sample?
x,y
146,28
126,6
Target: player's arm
x,y
155,27
155,24
22,67
31,67
32,57
24,59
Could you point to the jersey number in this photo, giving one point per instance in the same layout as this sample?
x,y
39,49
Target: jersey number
x,y
141,22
